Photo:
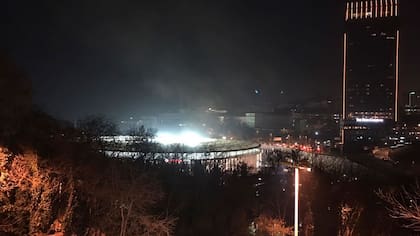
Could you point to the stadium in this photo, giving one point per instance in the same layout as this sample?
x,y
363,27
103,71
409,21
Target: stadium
x,y
187,148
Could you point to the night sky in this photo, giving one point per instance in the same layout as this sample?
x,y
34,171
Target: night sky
x,y
132,58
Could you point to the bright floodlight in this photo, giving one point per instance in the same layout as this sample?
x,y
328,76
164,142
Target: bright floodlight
x,y
187,138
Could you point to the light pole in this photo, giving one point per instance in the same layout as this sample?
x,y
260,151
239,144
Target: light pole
x,y
296,201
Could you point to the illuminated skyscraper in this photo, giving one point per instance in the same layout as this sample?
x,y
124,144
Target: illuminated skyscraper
x,y
370,73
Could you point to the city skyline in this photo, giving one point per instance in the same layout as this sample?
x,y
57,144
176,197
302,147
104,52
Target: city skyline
x,y
124,61
190,117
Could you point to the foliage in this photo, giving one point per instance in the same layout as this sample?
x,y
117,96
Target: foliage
x,y
94,195
272,226
28,195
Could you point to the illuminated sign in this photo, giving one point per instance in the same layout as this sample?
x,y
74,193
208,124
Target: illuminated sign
x,y
369,120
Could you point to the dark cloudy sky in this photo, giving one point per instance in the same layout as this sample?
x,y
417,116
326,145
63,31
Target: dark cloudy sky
x,y
128,58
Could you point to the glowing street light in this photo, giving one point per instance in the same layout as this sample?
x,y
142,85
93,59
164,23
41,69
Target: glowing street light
x,y
296,201
296,227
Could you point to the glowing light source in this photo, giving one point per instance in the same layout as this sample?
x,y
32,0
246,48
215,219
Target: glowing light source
x,y
344,75
371,8
347,11
362,7
369,120
392,7
296,201
382,8
344,83
188,138
397,69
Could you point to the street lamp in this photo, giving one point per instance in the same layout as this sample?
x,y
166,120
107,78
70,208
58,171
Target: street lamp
x,y
296,201
308,169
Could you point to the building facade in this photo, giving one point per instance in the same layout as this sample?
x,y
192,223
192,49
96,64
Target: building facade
x,y
371,71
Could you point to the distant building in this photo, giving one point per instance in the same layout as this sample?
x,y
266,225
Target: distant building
x,y
266,124
411,115
371,71
248,119
412,99
164,121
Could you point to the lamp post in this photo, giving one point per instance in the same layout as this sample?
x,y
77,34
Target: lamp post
x,y
296,201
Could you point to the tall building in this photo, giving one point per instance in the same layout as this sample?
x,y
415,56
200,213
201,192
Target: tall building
x,y
411,115
370,73
412,99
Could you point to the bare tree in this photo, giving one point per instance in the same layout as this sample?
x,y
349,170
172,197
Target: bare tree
x,y
142,141
93,127
404,205
121,200
349,218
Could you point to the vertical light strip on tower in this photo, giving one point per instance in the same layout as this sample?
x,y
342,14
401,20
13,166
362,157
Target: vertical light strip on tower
x,y
371,9
397,64
381,11
347,12
344,75
361,10
392,7
296,201
344,83
351,10
366,9
396,7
